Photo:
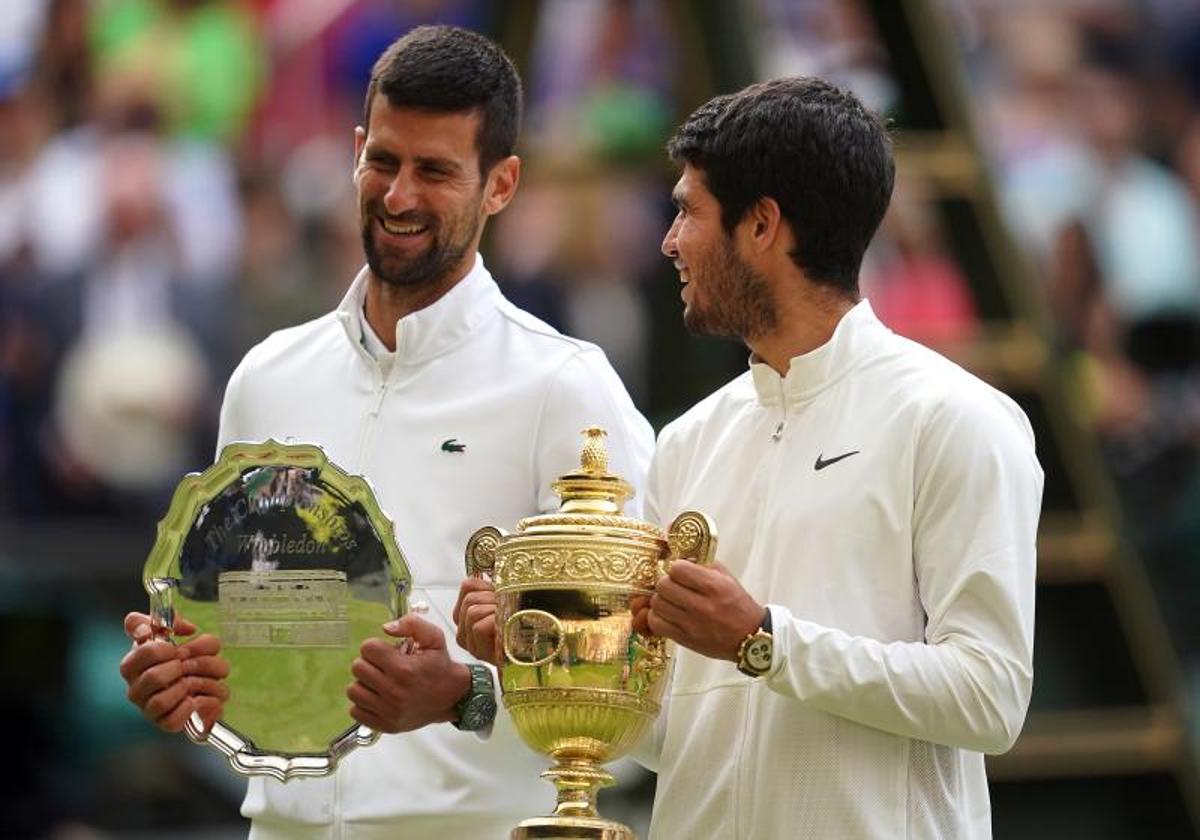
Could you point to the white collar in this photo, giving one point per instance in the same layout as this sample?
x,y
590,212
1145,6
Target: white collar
x,y
437,328
812,372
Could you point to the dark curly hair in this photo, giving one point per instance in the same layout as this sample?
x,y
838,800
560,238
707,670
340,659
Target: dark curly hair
x,y
445,68
816,150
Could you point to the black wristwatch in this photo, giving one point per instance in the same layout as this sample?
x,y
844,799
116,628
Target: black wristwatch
x,y
477,709
755,652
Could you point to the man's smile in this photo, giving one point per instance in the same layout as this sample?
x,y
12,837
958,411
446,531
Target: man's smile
x,y
404,229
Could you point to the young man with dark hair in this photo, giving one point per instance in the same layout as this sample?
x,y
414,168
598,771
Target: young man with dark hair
x,y
423,349
870,634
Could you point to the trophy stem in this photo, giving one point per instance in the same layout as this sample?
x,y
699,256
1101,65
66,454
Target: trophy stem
x,y
578,780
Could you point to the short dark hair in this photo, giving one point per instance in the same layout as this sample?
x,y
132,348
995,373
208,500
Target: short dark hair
x,y
816,150
445,68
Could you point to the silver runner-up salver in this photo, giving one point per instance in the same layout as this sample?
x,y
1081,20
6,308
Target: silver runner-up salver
x,y
292,564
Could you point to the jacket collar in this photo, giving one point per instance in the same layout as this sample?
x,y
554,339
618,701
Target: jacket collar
x,y
809,374
437,328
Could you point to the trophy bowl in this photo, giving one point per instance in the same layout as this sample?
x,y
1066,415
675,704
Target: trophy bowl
x,y
580,684
292,564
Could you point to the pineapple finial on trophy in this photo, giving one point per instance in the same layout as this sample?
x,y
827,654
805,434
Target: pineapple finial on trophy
x,y
592,488
593,460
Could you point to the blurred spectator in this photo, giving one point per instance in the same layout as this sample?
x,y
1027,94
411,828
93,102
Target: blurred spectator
x,y
913,286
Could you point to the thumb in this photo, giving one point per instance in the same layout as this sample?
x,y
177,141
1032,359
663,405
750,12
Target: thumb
x,y
427,635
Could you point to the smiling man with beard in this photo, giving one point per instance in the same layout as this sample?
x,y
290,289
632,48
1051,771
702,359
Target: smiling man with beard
x,y
460,408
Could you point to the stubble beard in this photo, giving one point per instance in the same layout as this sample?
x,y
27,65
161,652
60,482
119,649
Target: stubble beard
x,y
429,267
738,301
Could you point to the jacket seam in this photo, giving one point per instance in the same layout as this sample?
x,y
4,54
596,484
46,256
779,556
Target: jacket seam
x,y
537,429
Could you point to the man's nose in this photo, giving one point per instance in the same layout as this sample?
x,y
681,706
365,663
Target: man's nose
x,y
668,246
402,193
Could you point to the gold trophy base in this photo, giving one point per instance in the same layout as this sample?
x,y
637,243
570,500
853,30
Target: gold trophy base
x,y
577,778
571,828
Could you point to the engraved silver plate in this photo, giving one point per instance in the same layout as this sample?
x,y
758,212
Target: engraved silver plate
x,y
292,564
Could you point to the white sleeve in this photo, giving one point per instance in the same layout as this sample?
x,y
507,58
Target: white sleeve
x,y
586,391
231,426
977,494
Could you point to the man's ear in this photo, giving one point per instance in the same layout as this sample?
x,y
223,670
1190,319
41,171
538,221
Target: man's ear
x,y
502,184
360,140
763,223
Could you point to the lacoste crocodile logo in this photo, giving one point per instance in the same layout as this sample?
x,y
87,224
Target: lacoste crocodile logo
x,y
452,445
822,463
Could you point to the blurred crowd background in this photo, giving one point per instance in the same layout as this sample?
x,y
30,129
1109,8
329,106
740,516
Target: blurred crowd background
x,y
175,184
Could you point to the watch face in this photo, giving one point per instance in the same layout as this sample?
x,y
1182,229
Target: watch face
x,y
478,712
758,654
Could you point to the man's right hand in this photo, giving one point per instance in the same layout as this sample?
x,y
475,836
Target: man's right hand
x,y
475,618
168,682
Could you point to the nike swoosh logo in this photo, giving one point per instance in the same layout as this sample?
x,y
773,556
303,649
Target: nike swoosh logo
x,y
822,463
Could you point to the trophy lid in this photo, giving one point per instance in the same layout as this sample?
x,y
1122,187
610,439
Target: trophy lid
x,y
591,495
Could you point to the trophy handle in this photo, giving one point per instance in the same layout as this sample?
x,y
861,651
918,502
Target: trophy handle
x,y
481,551
692,536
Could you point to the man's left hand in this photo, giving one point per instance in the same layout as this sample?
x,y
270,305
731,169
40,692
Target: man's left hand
x,y
401,687
703,608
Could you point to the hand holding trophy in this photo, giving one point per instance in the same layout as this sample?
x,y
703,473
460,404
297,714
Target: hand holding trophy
x,y
579,682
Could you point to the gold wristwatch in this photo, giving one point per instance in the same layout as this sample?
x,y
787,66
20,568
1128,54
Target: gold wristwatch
x,y
754,653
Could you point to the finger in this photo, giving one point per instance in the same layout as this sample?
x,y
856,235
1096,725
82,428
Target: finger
x,y
143,657
472,613
162,703
479,613
660,626
671,592
175,719
669,611
209,709
368,718
216,667
373,672
469,587
364,698
427,635
152,681
694,576
137,627
205,687
485,641
206,645
478,599
640,624
479,629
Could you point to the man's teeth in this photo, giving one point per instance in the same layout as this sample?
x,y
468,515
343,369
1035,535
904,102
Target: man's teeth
x,y
391,227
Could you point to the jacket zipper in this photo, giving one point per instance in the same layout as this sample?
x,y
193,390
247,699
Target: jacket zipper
x,y
369,424
777,435
744,772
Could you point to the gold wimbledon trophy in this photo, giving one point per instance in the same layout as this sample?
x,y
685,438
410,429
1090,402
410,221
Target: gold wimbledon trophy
x,y
580,684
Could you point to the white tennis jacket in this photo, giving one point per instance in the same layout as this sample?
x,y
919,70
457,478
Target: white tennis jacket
x,y
884,503
481,410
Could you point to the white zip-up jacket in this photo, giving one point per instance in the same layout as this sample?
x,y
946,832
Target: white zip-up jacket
x,y
884,503
473,370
